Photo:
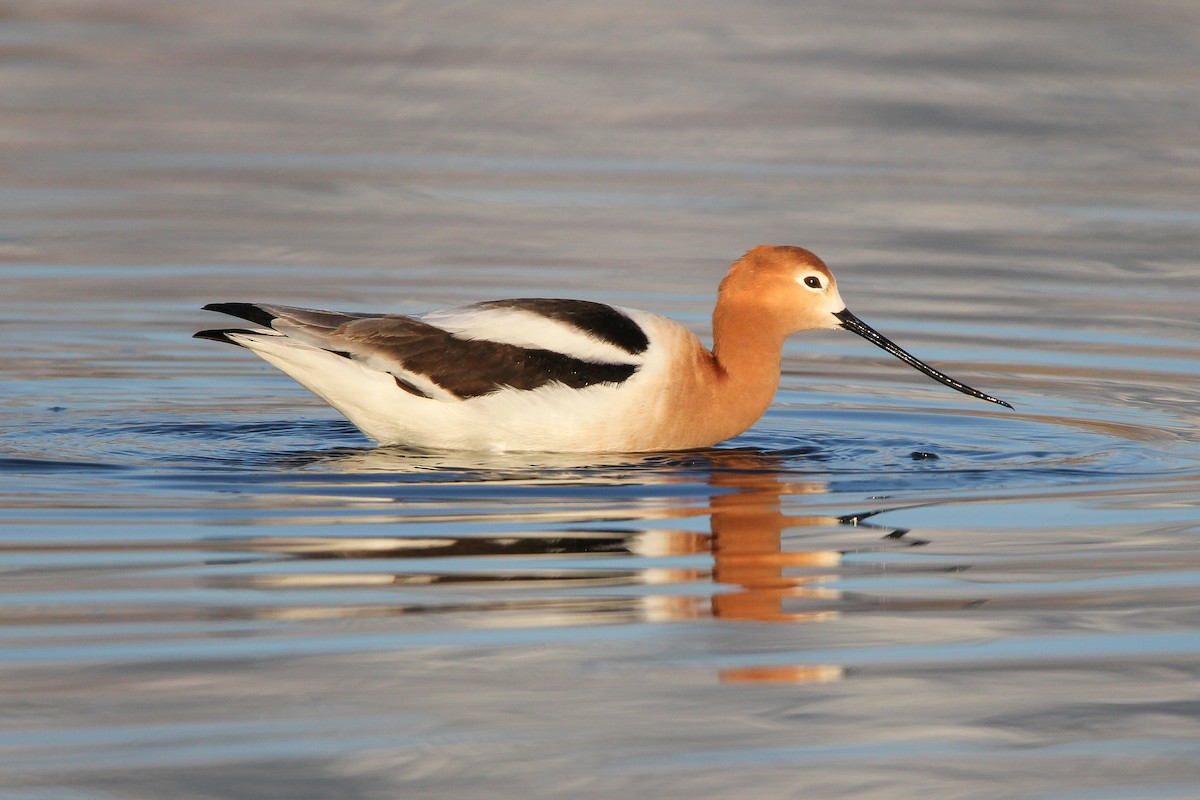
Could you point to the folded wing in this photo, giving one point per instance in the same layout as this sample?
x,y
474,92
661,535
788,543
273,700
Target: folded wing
x,y
465,352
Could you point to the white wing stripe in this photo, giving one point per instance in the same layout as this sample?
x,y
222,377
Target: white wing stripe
x,y
527,329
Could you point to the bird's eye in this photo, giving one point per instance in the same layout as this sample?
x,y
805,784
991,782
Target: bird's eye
x,y
812,282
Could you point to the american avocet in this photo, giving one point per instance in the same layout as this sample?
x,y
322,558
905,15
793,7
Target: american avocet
x,y
560,375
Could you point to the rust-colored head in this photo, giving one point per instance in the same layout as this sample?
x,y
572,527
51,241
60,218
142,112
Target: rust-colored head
x,y
787,289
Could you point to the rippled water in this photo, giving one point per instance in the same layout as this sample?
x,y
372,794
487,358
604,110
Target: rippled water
x,y
214,586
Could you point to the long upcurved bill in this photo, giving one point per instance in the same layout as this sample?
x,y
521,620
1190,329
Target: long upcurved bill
x,y
856,325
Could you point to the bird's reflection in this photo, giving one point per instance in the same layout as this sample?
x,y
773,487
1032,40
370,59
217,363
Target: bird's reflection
x,y
747,547
745,566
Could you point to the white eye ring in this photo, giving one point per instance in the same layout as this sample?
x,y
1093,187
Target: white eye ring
x,y
812,282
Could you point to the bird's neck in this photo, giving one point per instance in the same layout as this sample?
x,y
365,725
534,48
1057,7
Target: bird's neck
x,y
748,352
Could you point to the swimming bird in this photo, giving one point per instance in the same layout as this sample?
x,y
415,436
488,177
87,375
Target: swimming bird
x,y
561,375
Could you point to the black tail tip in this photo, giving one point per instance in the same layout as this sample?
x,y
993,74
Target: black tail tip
x,y
219,335
250,312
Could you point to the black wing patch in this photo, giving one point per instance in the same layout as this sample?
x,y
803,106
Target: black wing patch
x,y
598,320
472,367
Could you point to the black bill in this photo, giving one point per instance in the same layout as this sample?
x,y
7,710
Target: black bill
x,y
853,323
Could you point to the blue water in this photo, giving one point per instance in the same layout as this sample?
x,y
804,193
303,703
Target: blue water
x,y
213,586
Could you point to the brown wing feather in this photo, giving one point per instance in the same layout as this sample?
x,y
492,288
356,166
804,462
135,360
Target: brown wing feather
x,y
468,367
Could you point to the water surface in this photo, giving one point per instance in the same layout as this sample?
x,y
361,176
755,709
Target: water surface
x,y
214,586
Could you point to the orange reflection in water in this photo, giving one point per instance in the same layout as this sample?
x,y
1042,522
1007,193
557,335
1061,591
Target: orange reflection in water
x,y
754,577
747,529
